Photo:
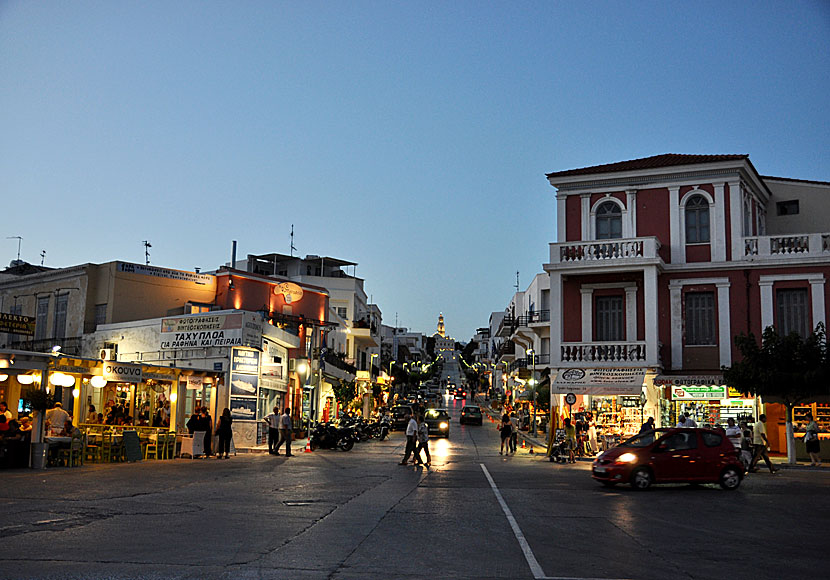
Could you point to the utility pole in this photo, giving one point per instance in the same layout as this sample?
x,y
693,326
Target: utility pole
x,y
293,249
147,246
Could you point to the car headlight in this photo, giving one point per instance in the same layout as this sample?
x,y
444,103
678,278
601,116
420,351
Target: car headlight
x,y
626,458
443,425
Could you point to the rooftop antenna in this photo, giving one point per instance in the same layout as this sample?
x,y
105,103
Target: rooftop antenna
x,y
293,249
147,246
517,280
42,256
19,241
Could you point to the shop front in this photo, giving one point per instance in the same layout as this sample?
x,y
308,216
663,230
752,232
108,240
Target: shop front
x,y
707,400
617,399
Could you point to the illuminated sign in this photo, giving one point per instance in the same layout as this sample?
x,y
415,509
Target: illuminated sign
x,y
599,381
291,292
17,324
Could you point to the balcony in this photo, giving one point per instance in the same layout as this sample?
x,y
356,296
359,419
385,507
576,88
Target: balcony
x,y
633,251
506,326
786,247
541,361
604,353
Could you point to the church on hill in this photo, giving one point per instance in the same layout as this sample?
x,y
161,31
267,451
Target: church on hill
x,y
443,343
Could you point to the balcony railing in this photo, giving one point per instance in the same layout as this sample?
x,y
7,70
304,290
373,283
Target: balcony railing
x,y
539,360
533,318
69,345
332,359
604,352
604,250
786,246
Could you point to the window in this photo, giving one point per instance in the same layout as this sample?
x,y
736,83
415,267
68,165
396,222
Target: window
x,y
609,221
680,441
700,318
100,314
609,318
711,439
697,220
41,316
16,309
789,207
793,313
61,303
341,312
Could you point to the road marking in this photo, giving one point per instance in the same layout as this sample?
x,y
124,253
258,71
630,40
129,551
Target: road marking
x,y
535,568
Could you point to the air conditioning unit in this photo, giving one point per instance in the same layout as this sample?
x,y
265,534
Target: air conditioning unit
x,y
108,354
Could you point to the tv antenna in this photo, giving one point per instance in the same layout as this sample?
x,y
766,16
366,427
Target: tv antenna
x,y
42,256
517,280
147,246
19,241
293,249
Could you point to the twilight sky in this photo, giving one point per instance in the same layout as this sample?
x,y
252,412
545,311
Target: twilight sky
x,y
410,137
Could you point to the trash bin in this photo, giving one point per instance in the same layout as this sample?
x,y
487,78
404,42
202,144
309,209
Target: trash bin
x,y
39,451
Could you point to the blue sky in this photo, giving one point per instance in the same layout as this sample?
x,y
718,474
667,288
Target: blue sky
x,y
410,137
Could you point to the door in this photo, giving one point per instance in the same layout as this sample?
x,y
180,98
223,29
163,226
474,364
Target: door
x,y
677,457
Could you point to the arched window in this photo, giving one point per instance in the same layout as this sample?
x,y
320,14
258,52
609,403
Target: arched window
x,y
697,220
609,221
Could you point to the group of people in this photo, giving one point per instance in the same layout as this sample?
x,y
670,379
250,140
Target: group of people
x,y
280,428
417,440
200,420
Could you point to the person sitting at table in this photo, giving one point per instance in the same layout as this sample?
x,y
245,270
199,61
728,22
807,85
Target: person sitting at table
x,y
100,420
157,418
69,430
5,426
4,409
91,416
25,424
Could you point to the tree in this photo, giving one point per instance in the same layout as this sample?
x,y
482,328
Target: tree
x,y
344,392
787,369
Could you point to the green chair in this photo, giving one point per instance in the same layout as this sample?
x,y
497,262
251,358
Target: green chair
x,y
151,447
92,446
74,455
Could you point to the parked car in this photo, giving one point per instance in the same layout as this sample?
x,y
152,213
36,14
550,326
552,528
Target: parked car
x,y
438,421
471,415
671,456
400,416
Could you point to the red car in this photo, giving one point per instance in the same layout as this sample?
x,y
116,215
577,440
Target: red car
x,y
671,456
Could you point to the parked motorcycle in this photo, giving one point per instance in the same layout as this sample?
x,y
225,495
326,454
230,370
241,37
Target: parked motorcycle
x,y
329,436
381,427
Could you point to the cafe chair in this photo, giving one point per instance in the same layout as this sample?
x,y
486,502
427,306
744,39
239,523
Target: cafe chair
x,y
74,455
151,447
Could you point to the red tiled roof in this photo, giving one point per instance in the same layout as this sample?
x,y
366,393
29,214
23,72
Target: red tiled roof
x,y
665,160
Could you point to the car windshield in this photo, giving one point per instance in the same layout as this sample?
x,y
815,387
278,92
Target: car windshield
x,y
472,410
437,414
400,411
643,440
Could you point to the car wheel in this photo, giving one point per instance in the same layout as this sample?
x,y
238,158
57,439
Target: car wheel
x,y
730,478
641,479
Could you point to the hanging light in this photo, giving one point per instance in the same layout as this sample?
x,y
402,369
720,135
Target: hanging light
x,y
76,392
25,379
3,378
173,397
98,382
68,381
56,379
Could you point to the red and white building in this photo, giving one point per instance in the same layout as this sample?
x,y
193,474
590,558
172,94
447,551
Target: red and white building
x,y
660,262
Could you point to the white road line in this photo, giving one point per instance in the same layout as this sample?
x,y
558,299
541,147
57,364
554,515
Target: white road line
x,y
535,568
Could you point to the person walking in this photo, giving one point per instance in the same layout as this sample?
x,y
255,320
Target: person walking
x,y
690,422
733,433
223,429
273,421
570,440
505,429
760,443
423,442
811,441
285,433
592,435
514,432
648,425
207,425
411,434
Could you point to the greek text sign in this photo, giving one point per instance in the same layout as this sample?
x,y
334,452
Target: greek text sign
x,y
598,381
122,372
698,393
17,324
201,331
245,361
147,270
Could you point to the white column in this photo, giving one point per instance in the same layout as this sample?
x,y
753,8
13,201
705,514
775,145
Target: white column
x,y
817,292
631,205
676,318
555,319
766,304
650,297
561,211
631,314
587,314
585,215
736,210
678,252
717,226
724,325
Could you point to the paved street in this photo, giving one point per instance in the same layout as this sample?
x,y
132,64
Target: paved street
x,y
339,515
